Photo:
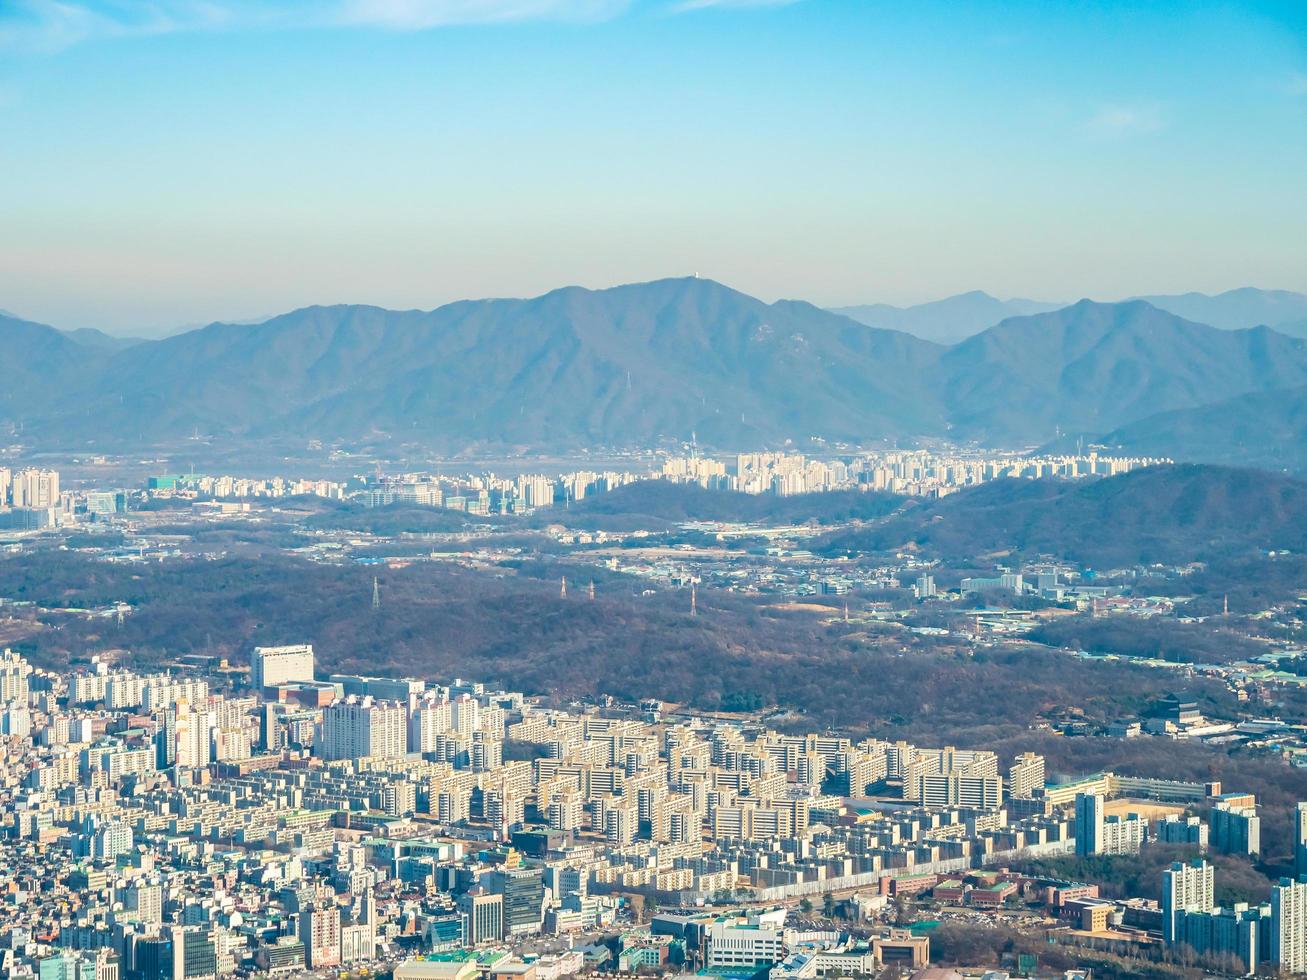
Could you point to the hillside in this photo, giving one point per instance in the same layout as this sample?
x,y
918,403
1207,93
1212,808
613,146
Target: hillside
x,y
40,365
1265,429
439,621
1097,366
1168,514
945,321
659,503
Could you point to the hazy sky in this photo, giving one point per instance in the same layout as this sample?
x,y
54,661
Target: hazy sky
x,y
178,161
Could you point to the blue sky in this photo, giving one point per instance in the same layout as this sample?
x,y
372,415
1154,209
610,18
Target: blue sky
x,y
179,161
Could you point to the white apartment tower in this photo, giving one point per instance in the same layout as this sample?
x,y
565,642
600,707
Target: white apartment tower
x,y
1300,840
14,672
1289,925
361,728
1025,776
1185,888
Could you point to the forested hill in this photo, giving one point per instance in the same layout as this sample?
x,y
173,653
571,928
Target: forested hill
x,y
1169,514
1265,428
658,503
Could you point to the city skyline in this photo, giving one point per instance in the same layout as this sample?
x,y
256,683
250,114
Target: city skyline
x,y
222,165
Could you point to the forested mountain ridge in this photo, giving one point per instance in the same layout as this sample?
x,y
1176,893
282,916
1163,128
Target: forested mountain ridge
x,y
637,365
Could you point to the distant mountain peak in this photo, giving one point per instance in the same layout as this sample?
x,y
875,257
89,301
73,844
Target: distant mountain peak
x,y
1237,309
948,320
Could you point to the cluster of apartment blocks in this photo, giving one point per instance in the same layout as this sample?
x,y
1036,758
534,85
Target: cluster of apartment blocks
x,y
782,474
1267,937
376,785
915,473
30,499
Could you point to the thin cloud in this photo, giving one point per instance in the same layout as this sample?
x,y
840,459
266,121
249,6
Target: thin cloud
x,y
52,25
1126,120
685,6
417,15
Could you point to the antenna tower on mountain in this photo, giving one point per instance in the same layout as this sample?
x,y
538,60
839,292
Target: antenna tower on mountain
x,y
376,594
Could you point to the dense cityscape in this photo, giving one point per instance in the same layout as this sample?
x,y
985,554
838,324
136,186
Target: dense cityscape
x,y
219,818
653,490
254,811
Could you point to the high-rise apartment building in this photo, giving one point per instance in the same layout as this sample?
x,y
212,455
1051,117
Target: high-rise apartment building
x,y
143,901
1097,833
1236,827
1025,776
1300,840
1288,947
194,746
1185,888
319,931
621,824
33,488
360,728
1190,830
14,674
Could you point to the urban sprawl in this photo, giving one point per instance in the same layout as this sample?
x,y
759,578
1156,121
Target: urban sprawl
x,y
32,498
228,818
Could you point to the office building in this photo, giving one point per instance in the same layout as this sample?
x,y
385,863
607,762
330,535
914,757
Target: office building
x,y
194,952
270,666
748,942
143,902
523,891
483,916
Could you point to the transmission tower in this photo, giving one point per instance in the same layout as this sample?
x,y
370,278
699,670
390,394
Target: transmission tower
x,y
376,594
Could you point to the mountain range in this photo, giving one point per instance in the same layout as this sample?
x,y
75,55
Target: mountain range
x,y
635,365
1238,309
948,321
